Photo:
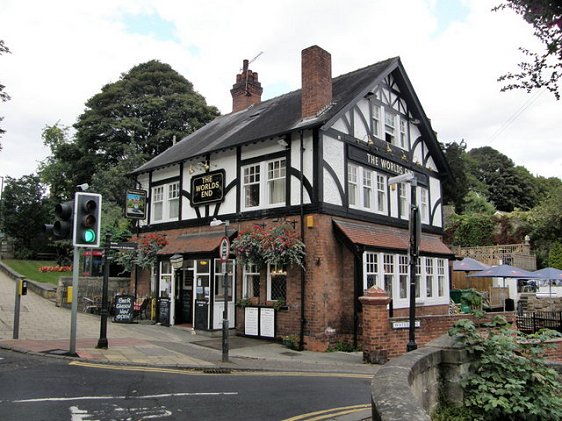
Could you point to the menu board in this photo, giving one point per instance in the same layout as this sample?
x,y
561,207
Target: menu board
x,y
124,309
164,311
267,322
251,321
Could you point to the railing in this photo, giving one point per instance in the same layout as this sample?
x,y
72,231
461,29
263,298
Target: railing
x,y
518,255
533,322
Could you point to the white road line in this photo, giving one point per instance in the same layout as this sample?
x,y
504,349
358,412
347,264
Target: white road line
x,y
91,398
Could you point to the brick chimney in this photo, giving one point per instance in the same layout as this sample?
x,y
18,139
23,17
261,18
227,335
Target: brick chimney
x,y
316,80
247,90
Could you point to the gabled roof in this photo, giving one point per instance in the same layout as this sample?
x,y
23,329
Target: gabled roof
x,y
281,115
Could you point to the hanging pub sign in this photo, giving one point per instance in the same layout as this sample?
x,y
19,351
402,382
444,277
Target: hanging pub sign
x,y
207,188
135,204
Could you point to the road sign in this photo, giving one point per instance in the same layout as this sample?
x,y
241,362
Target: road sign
x,y
123,246
224,249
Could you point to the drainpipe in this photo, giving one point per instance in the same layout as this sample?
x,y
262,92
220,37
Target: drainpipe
x,y
303,321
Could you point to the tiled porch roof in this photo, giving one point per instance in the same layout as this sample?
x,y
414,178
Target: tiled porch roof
x,y
384,237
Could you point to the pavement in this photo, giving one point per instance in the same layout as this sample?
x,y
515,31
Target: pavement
x,y
44,329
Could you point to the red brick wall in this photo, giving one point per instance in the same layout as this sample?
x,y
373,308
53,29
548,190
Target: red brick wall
x,y
316,80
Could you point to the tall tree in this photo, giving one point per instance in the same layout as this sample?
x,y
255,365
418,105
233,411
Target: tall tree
x,y
140,114
506,186
3,95
24,211
123,126
542,69
456,189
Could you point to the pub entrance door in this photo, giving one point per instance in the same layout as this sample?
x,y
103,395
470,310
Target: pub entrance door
x,y
184,296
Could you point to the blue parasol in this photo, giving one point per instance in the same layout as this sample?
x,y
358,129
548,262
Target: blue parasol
x,y
469,264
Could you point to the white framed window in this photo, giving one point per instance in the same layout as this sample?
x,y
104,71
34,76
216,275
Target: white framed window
x,y
174,200
166,202
268,191
390,127
371,268
441,277
403,201
276,282
251,281
158,203
382,188
276,176
377,124
388,273
403,134
424,205
403,276
391,272
251,186
219,279
367,188
352,190
429,278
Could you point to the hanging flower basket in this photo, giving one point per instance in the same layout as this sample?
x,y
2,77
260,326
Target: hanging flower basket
x,y
279,245
146,253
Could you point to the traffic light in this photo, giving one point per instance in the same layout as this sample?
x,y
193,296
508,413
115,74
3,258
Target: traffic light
x,y
88,220
62,228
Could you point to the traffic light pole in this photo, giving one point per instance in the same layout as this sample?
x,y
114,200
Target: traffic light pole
x,y
74,311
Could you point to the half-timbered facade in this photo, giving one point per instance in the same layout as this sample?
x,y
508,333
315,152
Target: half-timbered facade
x,y
318,159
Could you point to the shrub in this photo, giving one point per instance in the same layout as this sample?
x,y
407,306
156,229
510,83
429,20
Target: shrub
x,y
509,379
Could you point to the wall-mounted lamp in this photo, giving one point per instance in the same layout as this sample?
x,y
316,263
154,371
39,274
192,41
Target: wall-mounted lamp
x,y
191,169
415,121
388,148
369,95
176,261
282,143
204,165
404,157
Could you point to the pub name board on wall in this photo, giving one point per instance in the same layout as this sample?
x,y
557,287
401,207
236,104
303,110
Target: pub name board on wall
x,y
207,188
381,163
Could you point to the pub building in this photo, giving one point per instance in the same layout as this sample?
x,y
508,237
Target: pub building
x,y
318,162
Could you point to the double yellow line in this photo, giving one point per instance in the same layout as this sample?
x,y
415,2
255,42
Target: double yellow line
x,y
330,413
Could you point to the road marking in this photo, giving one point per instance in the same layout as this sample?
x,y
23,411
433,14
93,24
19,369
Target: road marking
x,y
194,372
116,412
330,413
108,397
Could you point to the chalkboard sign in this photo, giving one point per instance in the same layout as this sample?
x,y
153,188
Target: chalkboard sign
x,y
164,311
124,308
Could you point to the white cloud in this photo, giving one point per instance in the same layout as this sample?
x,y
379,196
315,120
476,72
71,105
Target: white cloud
x,y
65,51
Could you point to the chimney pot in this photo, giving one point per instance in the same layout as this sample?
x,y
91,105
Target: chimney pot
x,y
247,90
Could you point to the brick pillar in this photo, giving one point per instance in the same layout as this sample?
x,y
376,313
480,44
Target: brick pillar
x,y
376,325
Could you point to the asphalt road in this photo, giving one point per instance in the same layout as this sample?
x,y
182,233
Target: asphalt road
x,y
43,388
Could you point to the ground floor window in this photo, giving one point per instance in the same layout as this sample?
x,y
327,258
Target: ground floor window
x,y
393,275
276,282
251,281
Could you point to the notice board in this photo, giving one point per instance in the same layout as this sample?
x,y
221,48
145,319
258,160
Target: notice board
x,y
259,322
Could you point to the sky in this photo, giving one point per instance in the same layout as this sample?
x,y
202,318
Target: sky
x,y
64,51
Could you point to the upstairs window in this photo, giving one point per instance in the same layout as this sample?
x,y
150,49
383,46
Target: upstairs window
x,y
166,202
352,190
390,127
403,201
381,194
377,121
264,184
403,134
367,188
251,187
424,206
276,181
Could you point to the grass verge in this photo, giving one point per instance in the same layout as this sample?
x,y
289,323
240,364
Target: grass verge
x,y
30,270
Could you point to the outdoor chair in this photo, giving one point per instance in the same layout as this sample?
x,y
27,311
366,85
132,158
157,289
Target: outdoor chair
x,y
141,312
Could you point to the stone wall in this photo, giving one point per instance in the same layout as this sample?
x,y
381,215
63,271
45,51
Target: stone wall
x,y
409,387
543,304
90,287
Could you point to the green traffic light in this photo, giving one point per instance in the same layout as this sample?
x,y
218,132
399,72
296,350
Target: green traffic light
x,y
90,236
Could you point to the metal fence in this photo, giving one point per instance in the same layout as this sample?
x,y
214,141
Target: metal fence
x,y
531,322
